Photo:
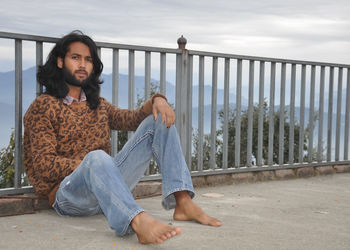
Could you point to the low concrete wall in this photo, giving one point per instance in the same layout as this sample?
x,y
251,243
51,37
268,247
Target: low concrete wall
x,y
22,204
29,203
267,175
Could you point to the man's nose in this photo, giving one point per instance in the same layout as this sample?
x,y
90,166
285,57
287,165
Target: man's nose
x,y
82,63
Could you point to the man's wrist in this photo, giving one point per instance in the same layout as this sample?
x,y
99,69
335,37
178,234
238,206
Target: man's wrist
x,y
158,95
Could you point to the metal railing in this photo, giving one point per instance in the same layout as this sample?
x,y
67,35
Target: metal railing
x,y
252,123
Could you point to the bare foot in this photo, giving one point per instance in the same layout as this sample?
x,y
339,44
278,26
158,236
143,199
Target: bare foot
x,y
150,230
186,209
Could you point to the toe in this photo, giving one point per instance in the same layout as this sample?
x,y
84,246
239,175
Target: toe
x,y
164,237
216,223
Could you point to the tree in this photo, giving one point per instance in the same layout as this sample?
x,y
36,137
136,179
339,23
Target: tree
x,y
243,139
244,133
206,151
7,165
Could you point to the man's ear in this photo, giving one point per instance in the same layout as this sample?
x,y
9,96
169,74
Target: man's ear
x,y
60,62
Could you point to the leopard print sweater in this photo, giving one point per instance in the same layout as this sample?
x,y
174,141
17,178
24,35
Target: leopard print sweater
x,y
58,136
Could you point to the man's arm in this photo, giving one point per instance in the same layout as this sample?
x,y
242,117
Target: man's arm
x,y
124,119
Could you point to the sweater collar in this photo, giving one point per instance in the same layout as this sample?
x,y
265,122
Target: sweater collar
x,y
68,100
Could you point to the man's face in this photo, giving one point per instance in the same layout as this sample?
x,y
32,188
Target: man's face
x,y
77,62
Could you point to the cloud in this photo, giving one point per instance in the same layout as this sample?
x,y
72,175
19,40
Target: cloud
x,y
272,28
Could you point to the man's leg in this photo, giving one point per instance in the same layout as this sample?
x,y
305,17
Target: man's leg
x,y
97,186
152,138
177,188
102,183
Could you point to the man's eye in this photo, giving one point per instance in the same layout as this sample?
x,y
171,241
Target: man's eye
x,y
75,57
89,59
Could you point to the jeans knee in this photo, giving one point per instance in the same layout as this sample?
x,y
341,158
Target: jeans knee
x,y
97,158
149,121
96,154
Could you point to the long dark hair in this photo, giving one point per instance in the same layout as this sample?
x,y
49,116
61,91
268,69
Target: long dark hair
x,y
50,76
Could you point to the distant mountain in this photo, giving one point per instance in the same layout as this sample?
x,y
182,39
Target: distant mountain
x,y
7,97
7,89
7,114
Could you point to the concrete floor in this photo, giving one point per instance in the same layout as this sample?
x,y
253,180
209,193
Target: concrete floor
x,y
311,213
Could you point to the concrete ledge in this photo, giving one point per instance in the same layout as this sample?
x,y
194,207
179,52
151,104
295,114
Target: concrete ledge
x,y
305,172
244,177
22,204
325,170
29,203
199,181
342,168
15,206
266,175
213,180
147,189
285,174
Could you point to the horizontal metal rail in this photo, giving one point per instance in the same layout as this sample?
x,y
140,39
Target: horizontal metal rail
x,y
105,45
48,39
264,59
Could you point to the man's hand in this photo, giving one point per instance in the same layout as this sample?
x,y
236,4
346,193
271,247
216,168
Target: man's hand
x,y
160,105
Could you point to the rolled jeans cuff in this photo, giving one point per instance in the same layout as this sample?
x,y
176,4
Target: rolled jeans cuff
x,y
169,201
128,229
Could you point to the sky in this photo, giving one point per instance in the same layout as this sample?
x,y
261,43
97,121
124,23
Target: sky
x,y
313,30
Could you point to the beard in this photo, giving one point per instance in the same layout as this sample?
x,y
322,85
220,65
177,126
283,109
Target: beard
x,y
70,79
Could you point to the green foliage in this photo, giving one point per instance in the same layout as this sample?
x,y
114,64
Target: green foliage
x,y
122,139
7,165
206,151
243,139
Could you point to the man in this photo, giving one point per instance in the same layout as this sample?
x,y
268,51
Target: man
x,y
67,146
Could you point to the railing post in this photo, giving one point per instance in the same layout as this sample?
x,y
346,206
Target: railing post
x,y
131,83
238,114
214,91
200,112
39,61
188,121
250,114
147,75
115,91
18,113
181,103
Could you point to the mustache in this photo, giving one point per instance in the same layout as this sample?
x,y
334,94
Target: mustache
x,y
81,71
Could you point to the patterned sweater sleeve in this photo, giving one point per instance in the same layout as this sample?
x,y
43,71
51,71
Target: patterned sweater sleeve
x,y
45,168
129,120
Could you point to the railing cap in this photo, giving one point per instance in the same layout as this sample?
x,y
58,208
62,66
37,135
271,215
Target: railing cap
x,y
182,42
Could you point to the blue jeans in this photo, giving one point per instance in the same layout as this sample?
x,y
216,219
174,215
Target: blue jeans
x,y
103,184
